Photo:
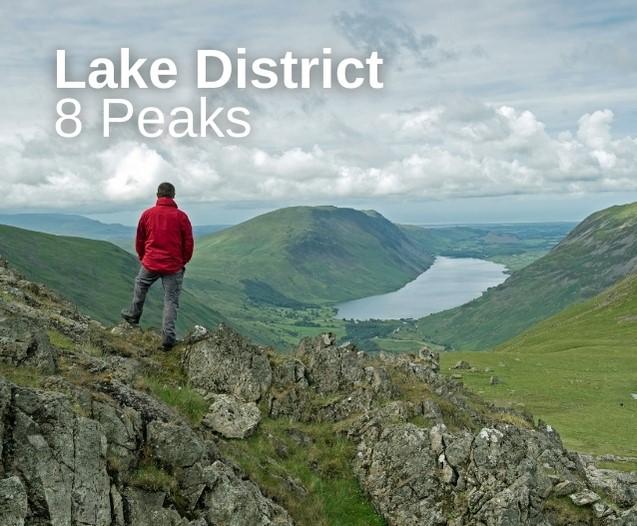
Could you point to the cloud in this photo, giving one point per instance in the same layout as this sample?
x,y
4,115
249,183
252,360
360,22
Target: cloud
x,y
391,38
480,99
438,152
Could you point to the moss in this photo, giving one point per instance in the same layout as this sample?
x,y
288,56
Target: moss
x,y
420,421
24,376
180,396
60,341
453,416
151,477
561,510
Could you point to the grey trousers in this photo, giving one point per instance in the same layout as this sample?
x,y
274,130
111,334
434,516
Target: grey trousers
x,y
172,289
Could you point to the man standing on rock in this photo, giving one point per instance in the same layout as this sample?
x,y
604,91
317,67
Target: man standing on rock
x,y
164,245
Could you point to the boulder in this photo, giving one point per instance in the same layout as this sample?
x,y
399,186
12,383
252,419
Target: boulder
x,y
24,345
232,418
232,501
584,497
225,362
462,364
332,369
566,487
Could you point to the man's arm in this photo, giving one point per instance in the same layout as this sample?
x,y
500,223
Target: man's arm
x,y
140,238
187,241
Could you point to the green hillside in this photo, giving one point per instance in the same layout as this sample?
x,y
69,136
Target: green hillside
x,y
596,254
79,226
311,255
95,275
277,275
576,370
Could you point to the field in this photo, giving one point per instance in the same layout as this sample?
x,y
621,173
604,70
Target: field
x,y
575,370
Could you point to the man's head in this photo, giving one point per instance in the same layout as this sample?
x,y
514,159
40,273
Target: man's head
x,y
166,190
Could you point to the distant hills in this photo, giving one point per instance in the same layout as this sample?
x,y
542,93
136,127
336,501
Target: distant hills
x,y
96,275
277,275
596,254
80,226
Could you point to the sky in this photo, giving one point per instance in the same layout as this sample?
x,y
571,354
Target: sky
x,y
494,111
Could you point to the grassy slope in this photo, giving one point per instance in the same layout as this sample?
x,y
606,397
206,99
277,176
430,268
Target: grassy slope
x,y
596,254
80,226
313,254
95,275
575,369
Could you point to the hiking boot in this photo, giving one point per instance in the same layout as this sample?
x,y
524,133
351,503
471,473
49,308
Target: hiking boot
x,y
166,347
128,318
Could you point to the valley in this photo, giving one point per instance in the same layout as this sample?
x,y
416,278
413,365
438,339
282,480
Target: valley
x,y
279,277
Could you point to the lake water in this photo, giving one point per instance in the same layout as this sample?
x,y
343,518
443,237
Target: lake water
x,y
449,282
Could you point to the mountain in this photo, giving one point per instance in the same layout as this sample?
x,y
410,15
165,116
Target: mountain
x,y
600,251
96,275
574,369
96,429
310,255
80,226
68,225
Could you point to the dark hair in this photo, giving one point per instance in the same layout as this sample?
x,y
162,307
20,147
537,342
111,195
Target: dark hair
x,y
166,190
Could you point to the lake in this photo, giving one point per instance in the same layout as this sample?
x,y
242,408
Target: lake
x,y
449,282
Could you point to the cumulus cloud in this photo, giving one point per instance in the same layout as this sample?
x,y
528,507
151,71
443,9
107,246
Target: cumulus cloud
x,y
437,152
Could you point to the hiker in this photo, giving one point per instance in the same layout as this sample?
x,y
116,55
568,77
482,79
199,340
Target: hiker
x,y
164,245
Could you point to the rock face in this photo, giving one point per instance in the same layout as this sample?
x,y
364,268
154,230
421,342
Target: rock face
x,y
21,345
60,457
13,502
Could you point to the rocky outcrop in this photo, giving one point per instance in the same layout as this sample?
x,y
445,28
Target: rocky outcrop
x,y
85,446
225,362
420,464
233,501
499,475
620,485
84,442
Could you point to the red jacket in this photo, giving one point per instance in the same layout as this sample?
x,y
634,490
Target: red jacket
x,y
164,241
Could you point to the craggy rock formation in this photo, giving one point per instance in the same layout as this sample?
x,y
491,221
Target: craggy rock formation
x,y
86,440
84,447
431,453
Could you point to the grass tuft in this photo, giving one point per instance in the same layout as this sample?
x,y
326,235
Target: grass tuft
x,y
312,478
